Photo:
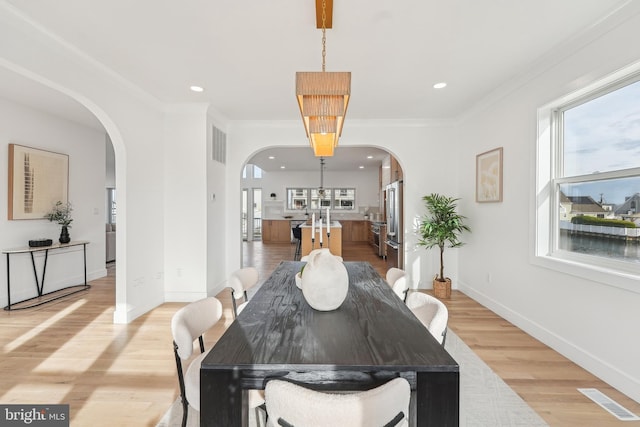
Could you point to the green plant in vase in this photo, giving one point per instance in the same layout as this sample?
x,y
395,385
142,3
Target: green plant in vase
x,y
61,213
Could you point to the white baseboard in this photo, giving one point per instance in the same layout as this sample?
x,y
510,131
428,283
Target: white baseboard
x,y
124,315
102,272
183,296
598,367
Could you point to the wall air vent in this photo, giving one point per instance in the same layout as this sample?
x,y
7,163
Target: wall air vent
x,y
218,145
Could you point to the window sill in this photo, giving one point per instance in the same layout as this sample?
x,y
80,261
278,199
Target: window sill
x,y
615,274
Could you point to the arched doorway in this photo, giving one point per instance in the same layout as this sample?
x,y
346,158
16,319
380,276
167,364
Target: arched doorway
x,y
58,108
284,169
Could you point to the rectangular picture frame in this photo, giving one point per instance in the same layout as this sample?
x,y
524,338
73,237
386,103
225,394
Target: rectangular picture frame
x,y
37,180
489,176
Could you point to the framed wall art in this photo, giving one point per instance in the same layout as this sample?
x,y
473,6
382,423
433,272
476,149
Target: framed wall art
x,y
37,180
489,176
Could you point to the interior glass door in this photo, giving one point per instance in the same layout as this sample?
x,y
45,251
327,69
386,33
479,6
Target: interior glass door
x,y
251,214
256,202
244,221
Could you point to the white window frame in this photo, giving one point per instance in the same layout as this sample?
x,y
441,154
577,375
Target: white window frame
x,y
545,200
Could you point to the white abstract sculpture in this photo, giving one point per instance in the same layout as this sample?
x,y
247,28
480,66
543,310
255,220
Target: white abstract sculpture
x,y
325,281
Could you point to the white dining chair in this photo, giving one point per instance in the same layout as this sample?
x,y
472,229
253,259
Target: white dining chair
x,y
240,281
188,324
431,312
289,404
397,279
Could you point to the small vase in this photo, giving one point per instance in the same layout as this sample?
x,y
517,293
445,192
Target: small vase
x,y
64,235
325,281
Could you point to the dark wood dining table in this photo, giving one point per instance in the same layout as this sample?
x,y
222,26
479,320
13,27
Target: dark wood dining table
x,y
371,338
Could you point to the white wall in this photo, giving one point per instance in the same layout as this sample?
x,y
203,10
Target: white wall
x,y
365,182
110,173
85,147
589,321
217,204
134,122
422,149
185,204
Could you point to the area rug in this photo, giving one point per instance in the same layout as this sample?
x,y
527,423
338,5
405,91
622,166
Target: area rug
x,y
485,400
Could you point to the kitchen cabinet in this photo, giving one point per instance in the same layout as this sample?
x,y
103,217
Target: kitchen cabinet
x,y
396,170
390,171
359,231
383,238
355,231
276,231
385,172
333,242
346,231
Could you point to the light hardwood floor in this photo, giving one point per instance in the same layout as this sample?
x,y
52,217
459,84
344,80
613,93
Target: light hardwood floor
x,y
124,375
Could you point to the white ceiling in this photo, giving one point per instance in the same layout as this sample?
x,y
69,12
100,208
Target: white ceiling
x,y
302,159
245,53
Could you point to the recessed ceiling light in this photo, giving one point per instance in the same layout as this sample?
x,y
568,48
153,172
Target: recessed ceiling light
x,y
281,167
439,85
271,157
197,88
361,167
369,157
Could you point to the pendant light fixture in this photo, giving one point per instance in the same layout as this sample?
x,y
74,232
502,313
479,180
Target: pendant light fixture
x,y
321,192
323,98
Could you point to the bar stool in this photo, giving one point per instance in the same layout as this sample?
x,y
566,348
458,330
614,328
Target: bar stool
x,y
297,234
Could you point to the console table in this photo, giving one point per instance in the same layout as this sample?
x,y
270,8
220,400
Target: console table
x,y
43,297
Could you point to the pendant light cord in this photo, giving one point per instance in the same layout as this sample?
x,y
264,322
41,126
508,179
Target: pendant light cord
x,y
324,33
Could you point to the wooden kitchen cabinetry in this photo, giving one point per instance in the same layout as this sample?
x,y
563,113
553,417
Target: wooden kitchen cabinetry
x,y
276,231
355,231
360,231
346,230
396,170
385,172
390,171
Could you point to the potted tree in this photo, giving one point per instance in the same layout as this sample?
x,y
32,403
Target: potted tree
x,y
442,227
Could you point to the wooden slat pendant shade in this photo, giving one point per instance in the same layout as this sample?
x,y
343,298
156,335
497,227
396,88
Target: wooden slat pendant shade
x,y
323,98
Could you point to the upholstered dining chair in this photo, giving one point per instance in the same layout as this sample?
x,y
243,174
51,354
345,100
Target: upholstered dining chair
x,y
188,324
431,312
397,279
289,405
240,281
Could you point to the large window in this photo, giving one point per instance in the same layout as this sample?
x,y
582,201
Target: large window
x,y
588,187
315,198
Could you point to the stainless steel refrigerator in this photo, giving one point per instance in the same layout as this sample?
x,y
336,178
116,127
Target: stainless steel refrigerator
x,y
395,231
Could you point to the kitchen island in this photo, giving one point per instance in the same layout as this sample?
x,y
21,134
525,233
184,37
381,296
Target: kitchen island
x,y
334,243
